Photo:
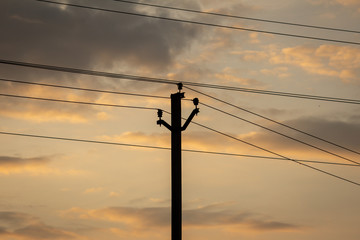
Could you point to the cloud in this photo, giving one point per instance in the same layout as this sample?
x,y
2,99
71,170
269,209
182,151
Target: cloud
x,y
17,219
93,190
25,226
197,140
281,72
42,231
10,165
252,55
79,38
344,132
34,166
15,161
71,36
342,62
48,111
230,76
347,3
158,218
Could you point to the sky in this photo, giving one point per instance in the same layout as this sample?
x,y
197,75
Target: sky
x,y
55,189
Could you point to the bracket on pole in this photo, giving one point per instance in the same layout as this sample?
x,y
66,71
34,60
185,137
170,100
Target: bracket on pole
x,y
186,124
193,113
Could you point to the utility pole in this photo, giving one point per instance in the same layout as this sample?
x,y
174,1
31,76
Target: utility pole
x,y
176,166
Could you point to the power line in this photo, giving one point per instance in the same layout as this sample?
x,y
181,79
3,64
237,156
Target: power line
x,y
214,108
78,102
88,72
274,153
266,157
147,108
266,118
274,93
167,148
200,23
174,82
82,89
239,17
138,107
84,140
281,134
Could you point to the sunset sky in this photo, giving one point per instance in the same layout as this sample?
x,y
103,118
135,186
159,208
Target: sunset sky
x,y
56,189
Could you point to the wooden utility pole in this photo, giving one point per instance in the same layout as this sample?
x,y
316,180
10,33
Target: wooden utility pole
x,y
176,165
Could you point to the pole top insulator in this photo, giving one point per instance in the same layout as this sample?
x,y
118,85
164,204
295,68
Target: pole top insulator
x,y
160,113
196,101
180,86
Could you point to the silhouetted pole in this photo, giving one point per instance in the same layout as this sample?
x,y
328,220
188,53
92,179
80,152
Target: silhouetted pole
x,y
176,166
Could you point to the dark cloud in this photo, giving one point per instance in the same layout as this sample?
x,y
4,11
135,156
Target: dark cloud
x,y
16,219
273,225
151,217
6,161
10,165
46,33
25,226
343,132
214,216
42,231
3,231
82,38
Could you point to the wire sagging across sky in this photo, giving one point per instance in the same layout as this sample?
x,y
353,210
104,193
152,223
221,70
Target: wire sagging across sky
x,y
202,102
281,134
174,82
200,23
274,153
266,118
82,89
185,150
146,108
237,16
78,102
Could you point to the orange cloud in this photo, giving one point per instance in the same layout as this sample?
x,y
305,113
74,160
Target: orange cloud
x,y
33,166
49,111
229,75
329,60
22,226
158,219
345,132
251,55
93,190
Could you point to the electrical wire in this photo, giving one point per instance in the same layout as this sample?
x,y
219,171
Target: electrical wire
x,y
87,72
84,140
166,148
82,89
273,93
138,107
174,82
274,153
77,102
238,17
200,23
266,118
266,157
281,134
147,108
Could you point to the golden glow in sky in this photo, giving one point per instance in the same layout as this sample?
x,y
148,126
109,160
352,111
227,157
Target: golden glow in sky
x,y
61,189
